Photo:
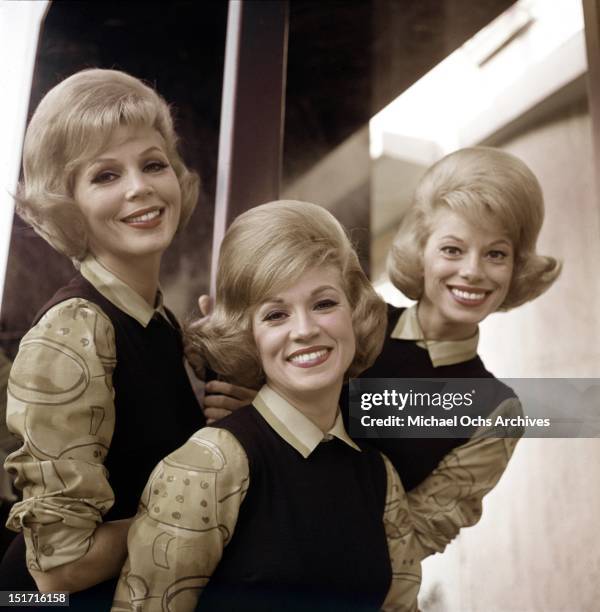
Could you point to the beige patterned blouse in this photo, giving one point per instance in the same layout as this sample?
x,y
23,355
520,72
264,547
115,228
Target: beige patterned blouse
x,y
190,506
61,404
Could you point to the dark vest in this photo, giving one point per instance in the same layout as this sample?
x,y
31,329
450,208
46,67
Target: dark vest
x,y
310,533
415,458
155,408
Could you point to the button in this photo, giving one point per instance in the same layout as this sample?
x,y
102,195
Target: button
x,y
48,550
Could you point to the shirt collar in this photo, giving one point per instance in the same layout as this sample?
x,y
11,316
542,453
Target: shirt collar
x,y
296,429
119,293
441,352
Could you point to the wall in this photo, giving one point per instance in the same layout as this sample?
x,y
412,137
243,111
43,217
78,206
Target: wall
x,y
536,547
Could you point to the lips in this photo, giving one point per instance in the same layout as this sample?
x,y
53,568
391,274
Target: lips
x,y
469,296
145,218
309,357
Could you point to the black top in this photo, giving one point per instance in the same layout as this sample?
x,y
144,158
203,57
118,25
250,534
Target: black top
x,y
415,458
310,532
156,410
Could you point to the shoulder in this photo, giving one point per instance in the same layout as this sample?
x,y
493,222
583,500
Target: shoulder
x,y
210,449
193,485
76,323
243,423
72,344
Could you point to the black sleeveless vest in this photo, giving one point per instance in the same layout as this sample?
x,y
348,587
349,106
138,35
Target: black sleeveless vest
x,y
415,458
310,532
155,408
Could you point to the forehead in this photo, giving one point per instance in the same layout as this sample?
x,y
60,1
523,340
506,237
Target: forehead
x,y
312,281
130,138
485,227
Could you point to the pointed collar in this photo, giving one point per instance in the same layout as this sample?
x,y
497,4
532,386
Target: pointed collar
x,y
295,428
441,352
119,293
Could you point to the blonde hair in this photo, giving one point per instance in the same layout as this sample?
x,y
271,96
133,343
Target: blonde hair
x,y
480,183
74,122
268,247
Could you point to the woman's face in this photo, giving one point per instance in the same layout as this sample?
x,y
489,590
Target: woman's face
x,y
129,196
467,274
304,336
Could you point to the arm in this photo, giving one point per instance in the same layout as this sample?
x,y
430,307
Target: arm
x,y
60,403
430,516
452,496
187,515
103,560
403,546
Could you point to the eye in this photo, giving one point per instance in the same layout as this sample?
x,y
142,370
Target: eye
x,y
106,176
325,304
274,316
451,250
497,255
155,166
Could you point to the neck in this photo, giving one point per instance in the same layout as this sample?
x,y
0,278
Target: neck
x,y
141,274
434,327
320,407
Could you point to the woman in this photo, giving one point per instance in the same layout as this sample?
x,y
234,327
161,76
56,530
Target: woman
x,y
466,248
275,507
102,367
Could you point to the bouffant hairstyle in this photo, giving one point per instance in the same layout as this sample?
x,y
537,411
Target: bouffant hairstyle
x,y
484,185
267,248
73,123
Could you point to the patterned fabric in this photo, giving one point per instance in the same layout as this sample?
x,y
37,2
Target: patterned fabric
x,y
66,361
190,507
441,352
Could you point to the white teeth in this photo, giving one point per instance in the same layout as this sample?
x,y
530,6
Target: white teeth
x,y
142,218
306,357
467,295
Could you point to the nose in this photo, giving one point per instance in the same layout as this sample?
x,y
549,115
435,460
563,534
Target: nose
x,y
305,327
138,186
471,269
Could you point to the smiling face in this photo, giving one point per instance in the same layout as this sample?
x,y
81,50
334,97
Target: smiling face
x,y
130,197
467,273
305,338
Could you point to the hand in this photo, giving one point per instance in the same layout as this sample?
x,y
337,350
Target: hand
x,y
205,306
222,398
102,561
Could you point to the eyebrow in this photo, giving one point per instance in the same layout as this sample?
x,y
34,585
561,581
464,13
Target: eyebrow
x,y
451,237
499,241
102,160
321,289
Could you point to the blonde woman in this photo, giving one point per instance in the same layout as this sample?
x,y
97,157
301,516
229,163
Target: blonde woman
x,y
466,248
275,507
98,391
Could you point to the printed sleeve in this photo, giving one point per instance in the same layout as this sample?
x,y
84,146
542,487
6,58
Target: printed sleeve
x,y
452,496
60,403
186,517
403,547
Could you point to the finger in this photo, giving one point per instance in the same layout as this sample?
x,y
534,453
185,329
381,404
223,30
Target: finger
x,y
235,391
223,401
216,413
205,304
